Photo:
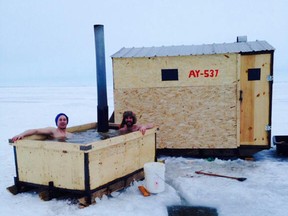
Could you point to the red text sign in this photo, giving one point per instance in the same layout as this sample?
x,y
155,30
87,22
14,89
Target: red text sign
x,y
203,73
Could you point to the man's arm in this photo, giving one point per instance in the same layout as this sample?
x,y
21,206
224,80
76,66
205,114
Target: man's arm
x,y
40,131
143,128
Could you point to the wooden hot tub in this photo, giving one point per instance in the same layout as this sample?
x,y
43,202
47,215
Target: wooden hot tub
x,y
88,170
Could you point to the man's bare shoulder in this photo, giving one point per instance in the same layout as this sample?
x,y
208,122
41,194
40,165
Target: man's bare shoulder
x,y
47,130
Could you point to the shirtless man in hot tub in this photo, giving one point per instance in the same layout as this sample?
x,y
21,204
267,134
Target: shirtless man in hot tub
x,y
60,132
128,124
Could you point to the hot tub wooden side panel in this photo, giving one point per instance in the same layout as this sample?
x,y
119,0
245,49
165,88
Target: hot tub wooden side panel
x,y
121,159
44,165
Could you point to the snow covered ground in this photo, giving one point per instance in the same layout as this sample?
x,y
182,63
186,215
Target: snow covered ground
x,y
265,192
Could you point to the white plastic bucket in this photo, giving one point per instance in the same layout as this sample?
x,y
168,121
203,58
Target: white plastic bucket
x,y
154,173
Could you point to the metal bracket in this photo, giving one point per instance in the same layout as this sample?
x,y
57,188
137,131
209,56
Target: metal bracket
x,y
85,147
268,128
269,78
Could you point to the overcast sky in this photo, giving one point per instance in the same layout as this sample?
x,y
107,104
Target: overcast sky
x,y
52,41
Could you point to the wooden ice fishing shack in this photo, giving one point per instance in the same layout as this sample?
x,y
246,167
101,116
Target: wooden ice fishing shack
x,y
207,100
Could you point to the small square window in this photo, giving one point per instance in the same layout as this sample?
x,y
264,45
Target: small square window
x,y
254,74
169,74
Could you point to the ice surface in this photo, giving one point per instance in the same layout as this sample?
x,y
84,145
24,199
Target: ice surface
x,y
265,192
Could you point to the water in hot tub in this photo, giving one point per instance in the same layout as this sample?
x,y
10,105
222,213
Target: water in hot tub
x,y
91,135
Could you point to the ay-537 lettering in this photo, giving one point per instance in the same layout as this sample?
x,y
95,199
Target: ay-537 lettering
x,y
203,73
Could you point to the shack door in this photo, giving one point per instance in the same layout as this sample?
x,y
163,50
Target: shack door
x,y
255,99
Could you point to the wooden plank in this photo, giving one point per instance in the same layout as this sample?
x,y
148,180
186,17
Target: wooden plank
x,y
73,129
83,127
238,102
147,149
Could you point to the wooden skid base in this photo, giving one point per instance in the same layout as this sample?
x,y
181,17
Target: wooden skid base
x,y
241,152
82,198
111,187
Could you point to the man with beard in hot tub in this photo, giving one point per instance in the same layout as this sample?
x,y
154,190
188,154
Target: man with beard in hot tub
x,y
129,121
59,133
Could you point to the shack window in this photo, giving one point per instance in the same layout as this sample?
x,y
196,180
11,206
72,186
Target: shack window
x,y
254,74
169,74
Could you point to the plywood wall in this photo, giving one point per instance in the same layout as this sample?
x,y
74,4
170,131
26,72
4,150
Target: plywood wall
x,y
188,117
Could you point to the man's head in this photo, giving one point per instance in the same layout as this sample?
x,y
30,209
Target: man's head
x,y
129,119
61,120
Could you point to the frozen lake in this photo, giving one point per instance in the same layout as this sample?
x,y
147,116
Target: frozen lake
x,y
265,192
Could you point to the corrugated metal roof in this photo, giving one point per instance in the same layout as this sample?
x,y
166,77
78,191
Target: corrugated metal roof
x,y
185,50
